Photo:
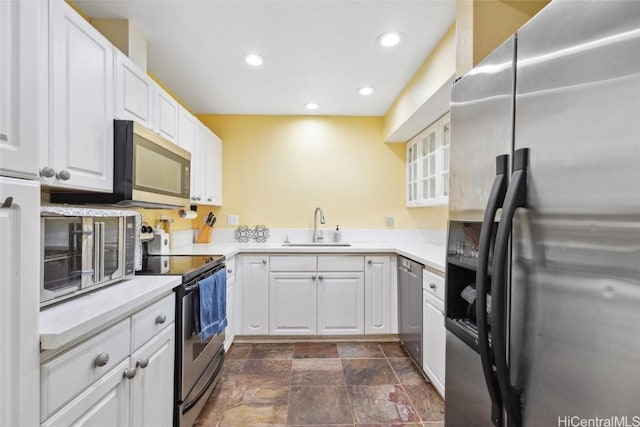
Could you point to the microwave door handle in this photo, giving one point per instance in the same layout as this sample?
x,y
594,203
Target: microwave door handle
x,y
98,251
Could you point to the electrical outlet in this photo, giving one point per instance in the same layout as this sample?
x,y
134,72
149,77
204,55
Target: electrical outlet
x,y
389,220
232,219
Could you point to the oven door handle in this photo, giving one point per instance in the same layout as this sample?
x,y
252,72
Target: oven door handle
x,y
202,392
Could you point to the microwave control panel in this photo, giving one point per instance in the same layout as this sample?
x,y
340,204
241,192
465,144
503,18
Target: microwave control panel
x,y
130,244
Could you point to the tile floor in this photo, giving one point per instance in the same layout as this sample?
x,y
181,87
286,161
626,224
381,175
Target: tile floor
x,y
321,384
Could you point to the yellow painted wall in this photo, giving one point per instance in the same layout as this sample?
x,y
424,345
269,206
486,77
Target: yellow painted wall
x,y
439,66
483,25
277,169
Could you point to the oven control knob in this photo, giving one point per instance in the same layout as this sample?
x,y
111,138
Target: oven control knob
x,y
161,319
101,360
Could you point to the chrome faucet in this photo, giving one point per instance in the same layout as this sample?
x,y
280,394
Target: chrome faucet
x,y
315,224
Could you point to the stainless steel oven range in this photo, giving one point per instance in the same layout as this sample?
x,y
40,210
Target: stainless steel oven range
x,y
198,363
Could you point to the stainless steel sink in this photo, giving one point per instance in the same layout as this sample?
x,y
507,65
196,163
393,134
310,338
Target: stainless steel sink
x,y
315,244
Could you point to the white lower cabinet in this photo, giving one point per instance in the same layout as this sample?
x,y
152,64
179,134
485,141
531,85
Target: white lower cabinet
x,y
340,303
230,331
19,299
255,295
292,303
121,376
152,387
433,330
104,403
304,294
379,291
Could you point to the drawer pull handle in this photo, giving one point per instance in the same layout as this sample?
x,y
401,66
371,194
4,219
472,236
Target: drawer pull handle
x,y
101,360
142,363
432,285
161,319
130,373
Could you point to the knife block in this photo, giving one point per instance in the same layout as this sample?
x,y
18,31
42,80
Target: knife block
x,y
204,235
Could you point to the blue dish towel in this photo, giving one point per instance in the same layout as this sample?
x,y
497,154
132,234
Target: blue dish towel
x,y
213,304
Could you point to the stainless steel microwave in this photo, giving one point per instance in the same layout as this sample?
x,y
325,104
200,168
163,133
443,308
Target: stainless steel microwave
x,y
149,172
81,253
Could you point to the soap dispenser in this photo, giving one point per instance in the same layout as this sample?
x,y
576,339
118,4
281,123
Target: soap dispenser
x,y
337,235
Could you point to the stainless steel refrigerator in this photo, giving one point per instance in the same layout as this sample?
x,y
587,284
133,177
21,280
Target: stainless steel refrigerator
x,y
543,264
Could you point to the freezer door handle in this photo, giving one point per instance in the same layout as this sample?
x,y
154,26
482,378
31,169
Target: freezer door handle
x,y
496,198
516,197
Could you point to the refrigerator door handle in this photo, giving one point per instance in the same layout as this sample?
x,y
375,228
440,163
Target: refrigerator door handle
x,y
516,197
496,198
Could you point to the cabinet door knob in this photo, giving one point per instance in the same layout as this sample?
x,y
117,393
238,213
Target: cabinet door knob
x,y
320,277
101,360
229,270
209,199
313,277
370,262
161,319
63,175
264,261
198,198
47,172
130,373
142,363
432,285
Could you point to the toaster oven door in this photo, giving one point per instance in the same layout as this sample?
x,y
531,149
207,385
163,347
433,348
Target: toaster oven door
x,y
66,246
106,250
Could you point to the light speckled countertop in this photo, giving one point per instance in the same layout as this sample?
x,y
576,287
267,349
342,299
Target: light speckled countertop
x,y
431,255
70,320
66,322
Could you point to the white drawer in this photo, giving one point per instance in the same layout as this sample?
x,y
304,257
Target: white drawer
x,y
66,375
293,263
341,263
433,283
147,323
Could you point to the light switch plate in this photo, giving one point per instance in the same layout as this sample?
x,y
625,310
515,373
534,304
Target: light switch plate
x,y
232,219
389,220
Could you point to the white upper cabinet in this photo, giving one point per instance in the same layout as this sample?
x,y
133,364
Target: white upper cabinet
x,y
166,114
428,165
23,85
79,152
206,167
186,129
134,91
214,170
198,164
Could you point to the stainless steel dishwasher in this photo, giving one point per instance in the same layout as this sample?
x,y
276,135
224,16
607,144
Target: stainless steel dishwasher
x,y
410,307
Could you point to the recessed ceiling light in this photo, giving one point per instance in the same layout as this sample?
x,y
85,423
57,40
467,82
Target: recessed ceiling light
x,y
253,59
389,39
366,90
311,106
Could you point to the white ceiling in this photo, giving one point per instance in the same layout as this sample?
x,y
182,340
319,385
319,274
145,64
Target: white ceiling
x,y
319,51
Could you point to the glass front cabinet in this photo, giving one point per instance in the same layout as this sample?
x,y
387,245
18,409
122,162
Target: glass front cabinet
x,y
428,165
